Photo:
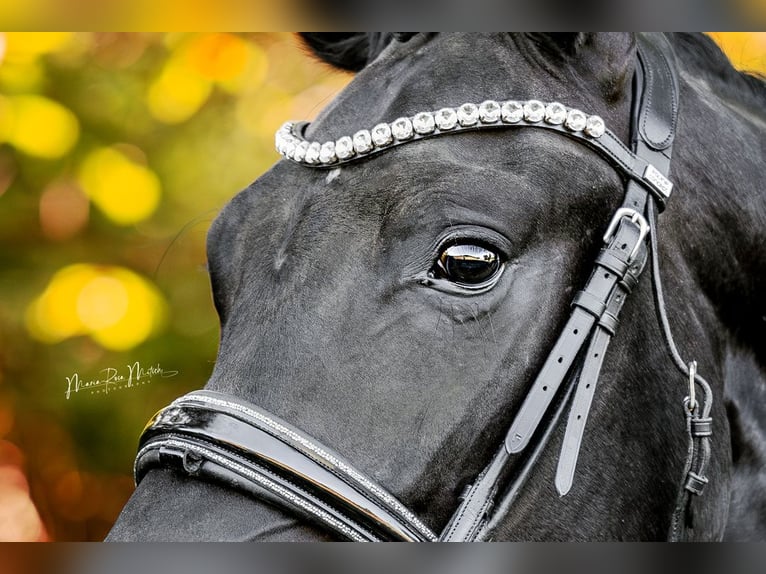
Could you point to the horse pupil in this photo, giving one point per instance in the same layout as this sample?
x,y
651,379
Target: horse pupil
x,y
467,263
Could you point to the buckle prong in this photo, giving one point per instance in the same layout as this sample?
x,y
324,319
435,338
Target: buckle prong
x,y
635,217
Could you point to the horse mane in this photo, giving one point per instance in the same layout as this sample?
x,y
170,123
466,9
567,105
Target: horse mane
x,y
705,55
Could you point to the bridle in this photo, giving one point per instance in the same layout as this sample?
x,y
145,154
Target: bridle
x,y
220,437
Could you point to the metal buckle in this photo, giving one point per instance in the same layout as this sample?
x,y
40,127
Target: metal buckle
x,y
635,217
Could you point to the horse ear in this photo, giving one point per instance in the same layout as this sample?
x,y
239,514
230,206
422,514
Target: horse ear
x,y
607,57
350,51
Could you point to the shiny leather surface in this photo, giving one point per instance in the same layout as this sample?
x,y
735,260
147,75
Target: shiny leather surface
x,y
655,105
220,437
267,445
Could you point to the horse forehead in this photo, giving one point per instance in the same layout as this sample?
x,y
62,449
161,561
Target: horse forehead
x,y
443,70
520,167
446,70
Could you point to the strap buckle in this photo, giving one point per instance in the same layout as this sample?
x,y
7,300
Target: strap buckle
x,y
635,217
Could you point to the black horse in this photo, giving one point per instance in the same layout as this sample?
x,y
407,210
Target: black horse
x,y
398,307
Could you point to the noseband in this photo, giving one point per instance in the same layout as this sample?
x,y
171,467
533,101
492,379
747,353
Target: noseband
x,y
220,437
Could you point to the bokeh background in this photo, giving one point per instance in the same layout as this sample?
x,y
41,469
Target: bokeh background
x,y
116,153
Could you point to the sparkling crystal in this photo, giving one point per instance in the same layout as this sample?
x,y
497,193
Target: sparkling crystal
x,y
446,119
423,123
285,141
289,147
512,112
468,114
555,113
312,153
300,151
489,112
281,142
362,141
282,133
534,111
327,153
576,120
344,147
381,135
402,128
595,127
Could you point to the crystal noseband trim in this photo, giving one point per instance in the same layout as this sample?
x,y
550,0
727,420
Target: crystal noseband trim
x,y
320,452
291,144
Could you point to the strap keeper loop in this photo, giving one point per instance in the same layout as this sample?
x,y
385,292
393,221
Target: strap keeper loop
x,y
608,322
702,426
589,303
629,282
608,260
695,483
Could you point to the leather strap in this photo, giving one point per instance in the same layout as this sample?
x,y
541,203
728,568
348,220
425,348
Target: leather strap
x,y
214,435
599,304
207,458
657,115
659,111
608,145
590,305
586,384
273,452
479,514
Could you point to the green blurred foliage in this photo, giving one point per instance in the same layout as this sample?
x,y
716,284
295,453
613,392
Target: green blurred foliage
x,y
199,112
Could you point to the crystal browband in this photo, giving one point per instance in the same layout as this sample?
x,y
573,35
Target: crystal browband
x,y
590,129
293,146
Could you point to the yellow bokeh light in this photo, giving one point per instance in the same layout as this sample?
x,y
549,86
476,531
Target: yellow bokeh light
x,y
744,49
38,126
22,77
253,75
101,303
218,56
178,92
30,45
53,316
116,307
126,192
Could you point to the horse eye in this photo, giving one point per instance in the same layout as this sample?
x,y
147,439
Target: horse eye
x,y
467,264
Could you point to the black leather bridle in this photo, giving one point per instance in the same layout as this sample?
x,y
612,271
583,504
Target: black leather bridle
x,y
217,436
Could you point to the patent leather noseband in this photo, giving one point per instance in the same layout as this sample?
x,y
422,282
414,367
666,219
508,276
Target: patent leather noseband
x,y
220,437
208,433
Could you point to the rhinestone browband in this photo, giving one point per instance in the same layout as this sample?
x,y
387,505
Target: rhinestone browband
x,y
291,144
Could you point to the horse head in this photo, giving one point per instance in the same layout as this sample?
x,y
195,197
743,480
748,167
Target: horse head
x,y
398,307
